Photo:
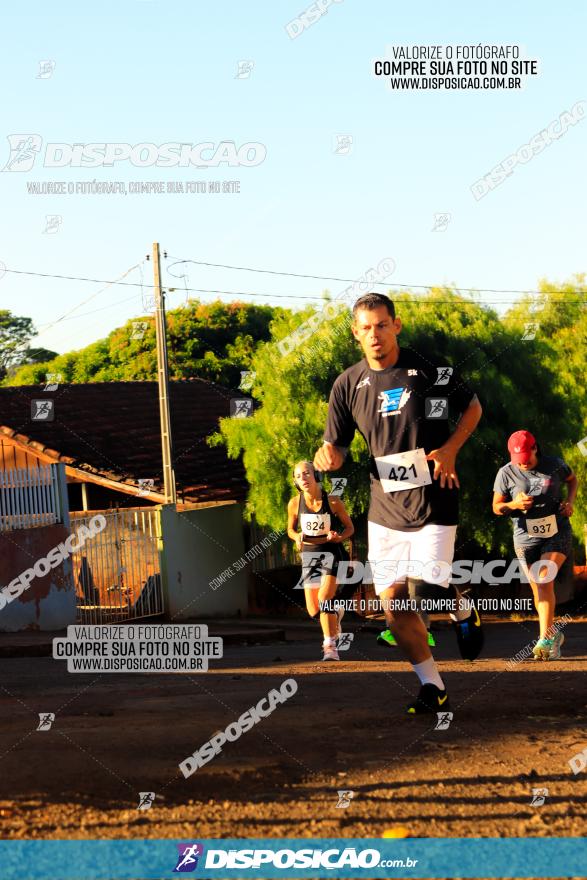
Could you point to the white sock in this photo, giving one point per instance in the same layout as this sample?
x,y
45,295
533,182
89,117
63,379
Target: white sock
x,y
329,641
427,672
463,609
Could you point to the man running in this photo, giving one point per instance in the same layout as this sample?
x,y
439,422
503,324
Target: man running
x,y
529,489
400,402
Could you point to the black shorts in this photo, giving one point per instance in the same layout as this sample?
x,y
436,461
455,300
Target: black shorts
x,y
562,542
321,559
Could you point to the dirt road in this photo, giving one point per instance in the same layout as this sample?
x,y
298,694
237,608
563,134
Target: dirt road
x,y
117,735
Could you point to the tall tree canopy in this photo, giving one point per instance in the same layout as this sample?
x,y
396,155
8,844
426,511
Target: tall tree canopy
x,y
213,341
520,383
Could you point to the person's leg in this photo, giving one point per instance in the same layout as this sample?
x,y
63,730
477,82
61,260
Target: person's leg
x,y
387,549
541,579
545,591
311,594
328,620
544,597
389,552
433,550
406,626
527,556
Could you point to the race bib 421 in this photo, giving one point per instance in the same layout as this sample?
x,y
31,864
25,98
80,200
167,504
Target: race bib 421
x,y
403,470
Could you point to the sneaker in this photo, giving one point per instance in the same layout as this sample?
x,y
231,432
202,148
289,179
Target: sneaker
x,y
431,640
469,635
542,649
330,652
386,638
555,651
430,700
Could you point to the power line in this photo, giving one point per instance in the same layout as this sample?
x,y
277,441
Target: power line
x,y
349,280
93,312
88,299
273,272
80,278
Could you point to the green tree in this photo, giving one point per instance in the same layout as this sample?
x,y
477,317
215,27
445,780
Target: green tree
x,y
557,318
291,394
15,333
213,341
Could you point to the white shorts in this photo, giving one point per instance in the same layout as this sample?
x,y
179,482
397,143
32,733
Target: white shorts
x,y
425,553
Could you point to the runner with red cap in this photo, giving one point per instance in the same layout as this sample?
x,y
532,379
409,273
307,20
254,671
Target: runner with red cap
x,y
529,489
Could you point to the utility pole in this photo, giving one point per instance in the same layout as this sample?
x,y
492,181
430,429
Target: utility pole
x,y
163,379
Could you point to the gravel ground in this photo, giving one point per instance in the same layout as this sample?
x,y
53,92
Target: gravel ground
x,y
117,735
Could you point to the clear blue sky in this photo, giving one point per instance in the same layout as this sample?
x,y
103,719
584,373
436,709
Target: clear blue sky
x,y
137,71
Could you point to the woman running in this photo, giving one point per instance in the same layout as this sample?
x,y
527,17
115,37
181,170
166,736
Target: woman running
x,y
530,489
312,521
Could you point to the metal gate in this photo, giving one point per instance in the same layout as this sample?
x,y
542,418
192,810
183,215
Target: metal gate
x,y
117,572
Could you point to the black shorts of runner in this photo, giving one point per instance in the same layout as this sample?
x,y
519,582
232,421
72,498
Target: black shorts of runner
x,y
562,542
324,558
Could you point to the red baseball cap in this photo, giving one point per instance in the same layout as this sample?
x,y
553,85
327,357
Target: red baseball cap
x,y
520,446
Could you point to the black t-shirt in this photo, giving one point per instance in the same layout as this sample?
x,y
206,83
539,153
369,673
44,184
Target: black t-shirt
x,y
397,410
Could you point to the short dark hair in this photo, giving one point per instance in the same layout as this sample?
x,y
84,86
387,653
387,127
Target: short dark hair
x,y
373,301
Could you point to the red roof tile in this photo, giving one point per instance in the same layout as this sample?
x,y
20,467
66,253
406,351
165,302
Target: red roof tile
x,y
112,430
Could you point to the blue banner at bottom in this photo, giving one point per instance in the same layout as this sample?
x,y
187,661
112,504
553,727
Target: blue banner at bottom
x,y
291,858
